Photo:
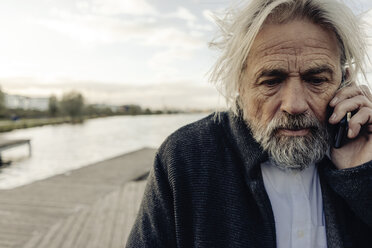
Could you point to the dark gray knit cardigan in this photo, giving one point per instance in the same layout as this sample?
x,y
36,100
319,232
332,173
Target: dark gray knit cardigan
x,y
206,190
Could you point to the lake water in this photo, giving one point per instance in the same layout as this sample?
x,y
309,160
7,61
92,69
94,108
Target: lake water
x,y
62,148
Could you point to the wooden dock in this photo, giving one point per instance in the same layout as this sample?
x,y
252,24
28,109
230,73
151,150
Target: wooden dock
x,y
6,144
94,206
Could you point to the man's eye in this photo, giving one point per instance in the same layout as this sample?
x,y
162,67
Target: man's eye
x,y
317,80
272,82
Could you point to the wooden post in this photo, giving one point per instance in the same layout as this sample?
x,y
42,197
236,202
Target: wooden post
x,y
29,148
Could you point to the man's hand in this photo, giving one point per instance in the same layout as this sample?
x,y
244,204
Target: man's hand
x,y
358,149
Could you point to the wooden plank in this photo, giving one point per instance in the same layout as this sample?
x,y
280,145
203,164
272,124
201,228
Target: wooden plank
x,y
6,143
45,240
133,193
74,231
117,239
62,232
44,213
98,226
86,233
109,217
34,241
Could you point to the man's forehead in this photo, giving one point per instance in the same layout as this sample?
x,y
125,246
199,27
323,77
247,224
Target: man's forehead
x,y
283,66
280,45
294,38
287,47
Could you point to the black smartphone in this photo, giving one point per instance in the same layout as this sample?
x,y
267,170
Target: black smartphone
x,y
341,130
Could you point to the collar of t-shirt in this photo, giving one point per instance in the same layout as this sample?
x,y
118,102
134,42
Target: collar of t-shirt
x,y
296,200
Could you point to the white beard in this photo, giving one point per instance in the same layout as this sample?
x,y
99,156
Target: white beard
x,y
292,152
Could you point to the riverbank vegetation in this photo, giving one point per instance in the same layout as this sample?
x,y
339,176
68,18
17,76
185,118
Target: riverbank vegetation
x,y
9,125
70,108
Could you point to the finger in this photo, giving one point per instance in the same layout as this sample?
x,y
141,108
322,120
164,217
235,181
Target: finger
x,y
345,93
348,105
361,118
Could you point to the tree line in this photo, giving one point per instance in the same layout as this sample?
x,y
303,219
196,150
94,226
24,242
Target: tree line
x,y
73,105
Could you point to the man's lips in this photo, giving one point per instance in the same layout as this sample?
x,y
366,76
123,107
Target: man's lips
x,y
294,132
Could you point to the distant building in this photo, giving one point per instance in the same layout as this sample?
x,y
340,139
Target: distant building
x,y
39,104
24,102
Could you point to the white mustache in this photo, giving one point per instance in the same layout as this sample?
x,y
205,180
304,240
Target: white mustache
x,y
294,122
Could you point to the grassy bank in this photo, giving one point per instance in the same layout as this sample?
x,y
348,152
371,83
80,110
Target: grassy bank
x,y
7,125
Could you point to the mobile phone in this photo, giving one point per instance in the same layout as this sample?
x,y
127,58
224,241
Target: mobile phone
x,y
341,130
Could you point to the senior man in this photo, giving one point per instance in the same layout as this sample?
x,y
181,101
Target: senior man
x,y
265,173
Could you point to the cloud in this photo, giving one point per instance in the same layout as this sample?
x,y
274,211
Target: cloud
x,y
125,34
208,15
117,7
149,31
172,37
89,28
183,14
162,63
171,41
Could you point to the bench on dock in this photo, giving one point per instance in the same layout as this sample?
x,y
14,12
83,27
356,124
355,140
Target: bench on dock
x,y
6,144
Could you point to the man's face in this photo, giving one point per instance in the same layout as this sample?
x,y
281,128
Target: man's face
x,y
293,71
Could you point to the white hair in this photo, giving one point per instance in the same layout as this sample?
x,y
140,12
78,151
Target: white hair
x,y
241,24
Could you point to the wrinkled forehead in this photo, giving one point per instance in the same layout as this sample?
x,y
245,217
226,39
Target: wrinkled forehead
x,y
298,38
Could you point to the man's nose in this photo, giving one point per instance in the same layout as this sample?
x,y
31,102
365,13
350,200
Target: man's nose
x,y
294,98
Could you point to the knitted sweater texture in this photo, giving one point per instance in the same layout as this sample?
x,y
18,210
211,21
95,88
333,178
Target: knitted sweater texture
x,y
206,190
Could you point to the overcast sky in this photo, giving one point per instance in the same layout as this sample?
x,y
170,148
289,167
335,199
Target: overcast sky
x,y
150,52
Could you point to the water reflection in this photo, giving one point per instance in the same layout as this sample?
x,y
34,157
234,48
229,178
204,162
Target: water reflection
x,y
59,149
